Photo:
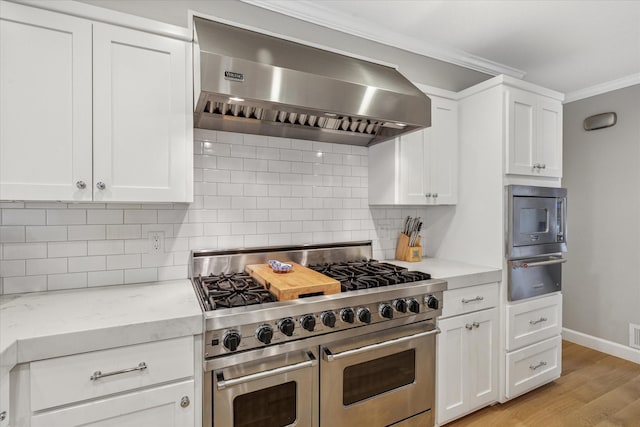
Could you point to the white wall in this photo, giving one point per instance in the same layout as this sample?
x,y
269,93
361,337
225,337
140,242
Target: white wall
x,y
601,280
249,191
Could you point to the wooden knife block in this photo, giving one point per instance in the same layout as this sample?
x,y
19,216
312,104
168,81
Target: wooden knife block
x,y
404,252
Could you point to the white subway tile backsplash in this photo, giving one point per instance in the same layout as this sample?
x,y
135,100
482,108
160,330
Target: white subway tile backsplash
x,y
138,275
277,190
56,282
105,278
50,233
187,230
230,163
200,216
24,250
217,202
120,262
105,247
243,228
173,272
104,216
238,202
87,232
256,240
243,177
157,260
216,175
230,189
216,149
136,246
140,217
173,216
267,178
10,234
230,137
12,268
37,267
23,217
14,285
66,216
124,231
217,229
268,153
87,263
278,142
244,151
256,140
230,215
66,249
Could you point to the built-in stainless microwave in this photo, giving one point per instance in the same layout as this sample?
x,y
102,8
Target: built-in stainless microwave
x,y
537,218
536,239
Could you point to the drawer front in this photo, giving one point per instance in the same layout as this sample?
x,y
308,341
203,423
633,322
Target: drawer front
x,y
533,366
533,321
467,300
68,379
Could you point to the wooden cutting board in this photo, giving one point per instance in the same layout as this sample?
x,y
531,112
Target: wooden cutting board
x,y
300,281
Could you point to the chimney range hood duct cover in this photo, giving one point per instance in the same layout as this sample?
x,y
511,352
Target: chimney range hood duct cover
x,y
249,82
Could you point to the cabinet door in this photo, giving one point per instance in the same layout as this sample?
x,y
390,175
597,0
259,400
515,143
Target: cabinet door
x,y
413,171
451,369
142,120
45,105
549,141
482,351
158,407
443,152
521,132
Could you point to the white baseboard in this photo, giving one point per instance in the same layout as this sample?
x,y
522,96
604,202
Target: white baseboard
x,y
605,346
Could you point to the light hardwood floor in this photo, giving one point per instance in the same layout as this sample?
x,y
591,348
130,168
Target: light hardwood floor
x,y
595,389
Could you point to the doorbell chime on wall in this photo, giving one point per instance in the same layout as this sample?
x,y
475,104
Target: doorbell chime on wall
x,y
600,121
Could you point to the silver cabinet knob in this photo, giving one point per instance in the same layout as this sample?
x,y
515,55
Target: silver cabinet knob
x,y
468,326
3,415
543,166
184,402
476,324
81,185
435,195
536,165
427,195
101,185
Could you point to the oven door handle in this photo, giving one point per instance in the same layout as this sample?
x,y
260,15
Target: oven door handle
x,y
539,263
222,383
330,357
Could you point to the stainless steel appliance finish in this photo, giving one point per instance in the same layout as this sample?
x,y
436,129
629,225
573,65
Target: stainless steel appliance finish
x,y
269,361
536,239
253,83
536,221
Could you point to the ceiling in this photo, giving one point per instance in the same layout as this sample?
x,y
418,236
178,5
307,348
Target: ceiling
x,y
563,45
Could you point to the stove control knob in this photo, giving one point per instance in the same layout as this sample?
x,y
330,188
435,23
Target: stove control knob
x,y
414,305
264,334
347,315
400,305
386,311
287,326
432,302
308,322
328,319
364,315
231,340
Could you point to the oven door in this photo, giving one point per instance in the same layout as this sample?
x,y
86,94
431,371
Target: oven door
x,y
532,277
276,392
535,221
379,379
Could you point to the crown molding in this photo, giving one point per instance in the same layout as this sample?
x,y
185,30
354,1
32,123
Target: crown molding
x,y
315,13
605,87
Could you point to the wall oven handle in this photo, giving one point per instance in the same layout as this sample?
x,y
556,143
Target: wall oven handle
x,y
222,383
539,263
330,357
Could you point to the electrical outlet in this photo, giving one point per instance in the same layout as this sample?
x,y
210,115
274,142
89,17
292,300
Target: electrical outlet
x,y
156,242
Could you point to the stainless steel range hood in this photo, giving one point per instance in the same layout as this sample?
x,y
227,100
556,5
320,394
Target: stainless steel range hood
x,y
253,83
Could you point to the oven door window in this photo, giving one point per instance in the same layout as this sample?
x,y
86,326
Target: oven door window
x,y
534,220
378,376
269,407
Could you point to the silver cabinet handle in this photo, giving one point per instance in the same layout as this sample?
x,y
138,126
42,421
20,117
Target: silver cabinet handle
x,y
540,320
101,185
427,195
3,415
329,357
476,324
543,166
537,166
222,383
468,326
467,301
98,374
184,402
539,365
81,185
539,263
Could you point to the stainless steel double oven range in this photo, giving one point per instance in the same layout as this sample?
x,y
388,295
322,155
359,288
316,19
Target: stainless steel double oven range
x,y
536,240
364,356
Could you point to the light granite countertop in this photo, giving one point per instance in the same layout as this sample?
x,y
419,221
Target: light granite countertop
x,y
51,324
457,274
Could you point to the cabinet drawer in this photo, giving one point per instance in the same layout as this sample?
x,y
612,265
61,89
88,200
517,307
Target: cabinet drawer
x,y
533,321
533,366
466,300
68,379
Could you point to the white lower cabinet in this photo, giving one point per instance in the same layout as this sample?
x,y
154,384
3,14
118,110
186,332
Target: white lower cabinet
x,y
533,366
166,406
467,364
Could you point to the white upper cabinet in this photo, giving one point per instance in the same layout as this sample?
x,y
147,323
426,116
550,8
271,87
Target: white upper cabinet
x,y
92,111
419,168
45,104
534,137
140,125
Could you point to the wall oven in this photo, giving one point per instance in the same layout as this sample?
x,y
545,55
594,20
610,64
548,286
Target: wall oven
x,y
536,239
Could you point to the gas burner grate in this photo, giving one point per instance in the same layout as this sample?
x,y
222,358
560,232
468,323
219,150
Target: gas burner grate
x,y
233,290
